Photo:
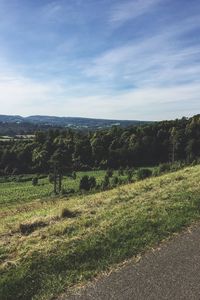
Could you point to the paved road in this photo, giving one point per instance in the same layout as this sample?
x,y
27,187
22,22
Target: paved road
x,y
170,272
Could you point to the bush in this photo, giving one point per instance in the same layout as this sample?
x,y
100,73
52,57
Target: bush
x,y
109,173
115,181
176,166
120,172
51,178
156,172
34,181
198,161
129,175
84,183
194,163
74,175
92,182
165,167
143,173
67,191
105,183
87,183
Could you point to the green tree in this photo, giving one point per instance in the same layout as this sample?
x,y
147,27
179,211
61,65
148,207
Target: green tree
x,y
60,164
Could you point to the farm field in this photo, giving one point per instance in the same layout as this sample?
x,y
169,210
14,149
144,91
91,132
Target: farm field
x,y
13,192
52,245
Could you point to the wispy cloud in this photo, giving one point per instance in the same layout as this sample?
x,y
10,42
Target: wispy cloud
x,y
128,10
52,9
154,61
20,95
74,58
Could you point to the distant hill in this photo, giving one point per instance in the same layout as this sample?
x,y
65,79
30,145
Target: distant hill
x,y
72,122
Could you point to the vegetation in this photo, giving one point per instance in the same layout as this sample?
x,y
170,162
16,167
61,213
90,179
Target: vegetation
x,y
20,189
34,181
51,243
87,183
113,148
12,125
50,246
143,173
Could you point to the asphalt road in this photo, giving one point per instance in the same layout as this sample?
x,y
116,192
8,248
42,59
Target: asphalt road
x,y
169,272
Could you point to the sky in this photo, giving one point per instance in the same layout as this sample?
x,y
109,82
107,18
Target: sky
x,y
115,59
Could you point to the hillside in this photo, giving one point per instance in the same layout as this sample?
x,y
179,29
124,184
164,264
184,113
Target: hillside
x,y
46,249
71,122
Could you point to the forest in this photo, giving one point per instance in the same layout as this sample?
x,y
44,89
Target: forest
x,y
114,148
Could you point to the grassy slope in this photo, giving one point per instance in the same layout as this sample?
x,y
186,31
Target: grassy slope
x,y
110,227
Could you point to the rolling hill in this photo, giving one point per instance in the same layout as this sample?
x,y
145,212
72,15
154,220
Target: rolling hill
x,y
73,122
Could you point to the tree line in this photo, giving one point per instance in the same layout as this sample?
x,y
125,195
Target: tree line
x,y
61,152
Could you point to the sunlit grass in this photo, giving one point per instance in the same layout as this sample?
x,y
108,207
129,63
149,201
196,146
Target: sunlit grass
x,y
104,229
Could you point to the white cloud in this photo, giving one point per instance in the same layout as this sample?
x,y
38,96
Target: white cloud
x,y
161,72
144,104
23,96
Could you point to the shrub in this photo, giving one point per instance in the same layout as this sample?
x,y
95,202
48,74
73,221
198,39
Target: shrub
x,y
84,183
67,191
120,172
194,163
92,182
198,161
51,178
129,175
106,182
74,175
143,173
115,181
109,173
176,166
156,172
87,183
34,181
165,167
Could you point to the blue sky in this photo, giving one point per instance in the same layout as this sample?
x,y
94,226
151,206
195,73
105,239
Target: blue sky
x,y
117,59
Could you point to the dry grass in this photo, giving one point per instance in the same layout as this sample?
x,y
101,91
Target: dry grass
x,y
110,227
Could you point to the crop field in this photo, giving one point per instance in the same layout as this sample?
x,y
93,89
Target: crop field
x,y
50,246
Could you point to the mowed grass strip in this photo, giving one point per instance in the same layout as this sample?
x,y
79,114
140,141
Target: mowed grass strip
x,y
104,230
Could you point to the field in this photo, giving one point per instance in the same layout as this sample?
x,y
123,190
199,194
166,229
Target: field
x,y
52,245
20,192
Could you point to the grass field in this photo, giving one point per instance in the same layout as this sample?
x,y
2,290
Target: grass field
x,y
19,192
103,230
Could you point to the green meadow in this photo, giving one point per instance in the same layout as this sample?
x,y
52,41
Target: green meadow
x,y
13,192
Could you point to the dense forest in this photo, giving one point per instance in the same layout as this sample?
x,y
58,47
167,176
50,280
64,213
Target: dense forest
x,y
12,129
116,147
